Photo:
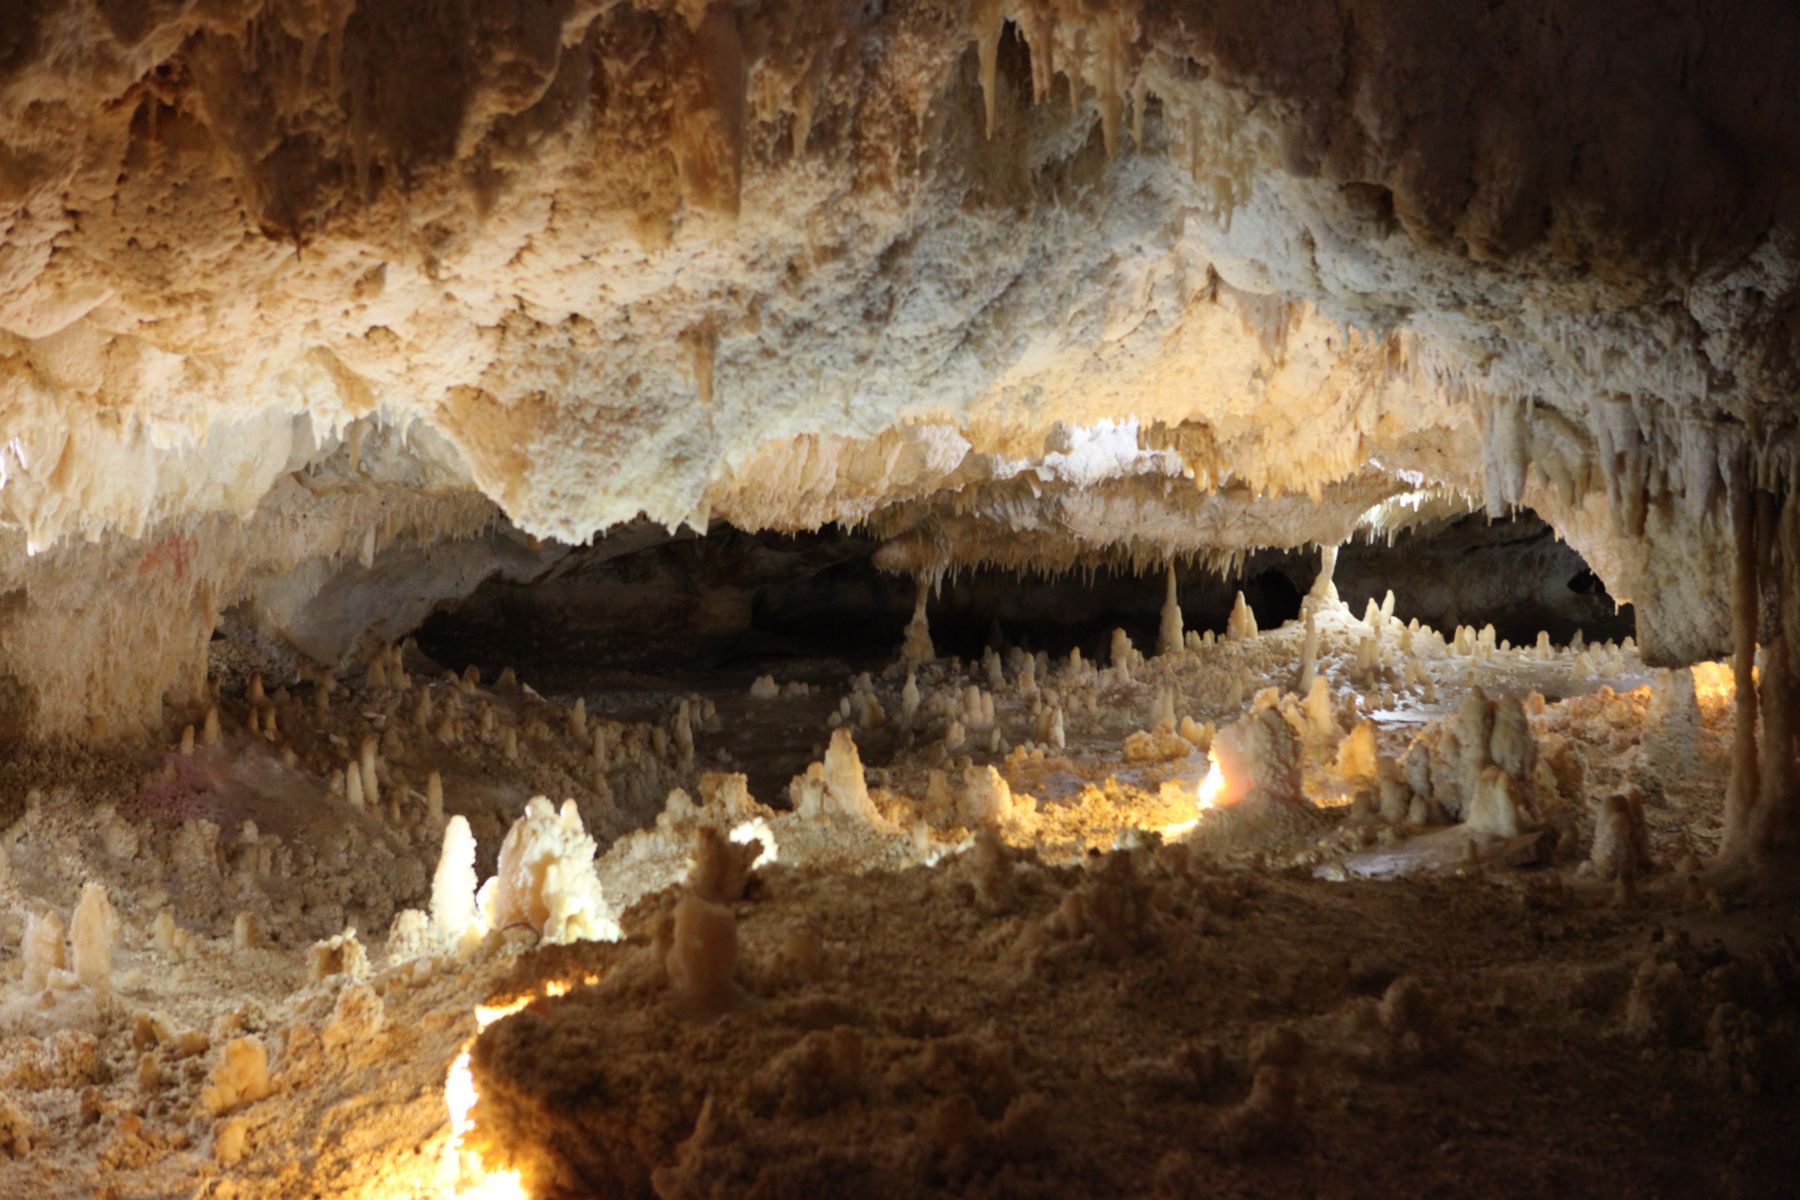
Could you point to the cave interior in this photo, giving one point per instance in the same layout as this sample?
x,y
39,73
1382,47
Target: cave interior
x,y
887,598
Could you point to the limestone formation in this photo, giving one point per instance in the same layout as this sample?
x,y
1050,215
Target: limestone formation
x,y
831,402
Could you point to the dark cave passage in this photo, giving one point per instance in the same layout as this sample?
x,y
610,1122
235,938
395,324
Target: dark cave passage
x,y
713,612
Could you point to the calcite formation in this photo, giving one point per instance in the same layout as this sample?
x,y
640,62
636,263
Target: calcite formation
x,y
763,380
1010,281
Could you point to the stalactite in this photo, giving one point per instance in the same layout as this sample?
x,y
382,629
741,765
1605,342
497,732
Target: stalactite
x,y
1763,786
990,25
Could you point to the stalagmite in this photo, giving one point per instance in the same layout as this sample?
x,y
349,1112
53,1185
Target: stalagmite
x,y
977,708
1494,807
91,932
1510,746
210,728
1169,637
684,733
844,776
1162,711
1393,793
701,961
353,786
836,787
455,918
1195,734
1124,655
1324,588
240,1077
764,687
434,800
1309,656
916,650
1321,722
1242,622
545,879
371,782
578,722
170,940
41,950
1621,846
1356,756
986,798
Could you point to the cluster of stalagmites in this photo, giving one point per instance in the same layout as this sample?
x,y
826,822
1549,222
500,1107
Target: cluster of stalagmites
x,y
1504,767
800,1047
396,758
1482,767
695,965
394,766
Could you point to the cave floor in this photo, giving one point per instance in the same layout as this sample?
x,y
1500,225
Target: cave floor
x,y
1190,1032
1023,969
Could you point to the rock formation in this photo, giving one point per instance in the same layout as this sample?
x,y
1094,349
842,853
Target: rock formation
x,y
664,362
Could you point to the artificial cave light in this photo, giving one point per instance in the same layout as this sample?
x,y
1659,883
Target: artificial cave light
x,y
1206,795
464,1175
